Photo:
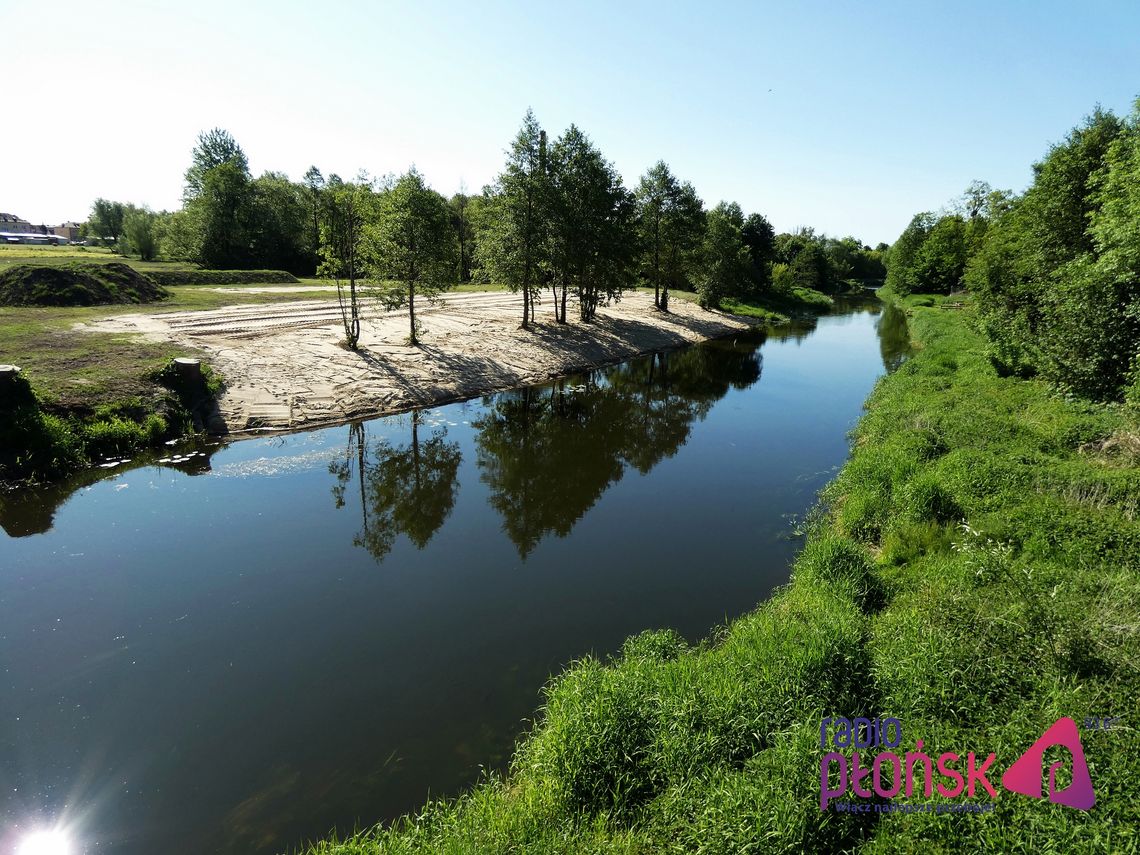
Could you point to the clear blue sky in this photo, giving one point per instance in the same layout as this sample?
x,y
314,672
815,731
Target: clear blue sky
x,y
846,116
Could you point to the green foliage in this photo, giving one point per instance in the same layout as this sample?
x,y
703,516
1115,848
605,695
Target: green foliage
x,y
225,200
760,239
514,222
280,225
115,435
106,220
670,218
412,243
904,254
33,443
1058,276
231,220
783,281
76,284
213,149
346,209
942,259
38,444
592,226
139,233
727,266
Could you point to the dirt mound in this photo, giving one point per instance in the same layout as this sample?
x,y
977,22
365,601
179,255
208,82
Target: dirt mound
x,y
76,284
223,277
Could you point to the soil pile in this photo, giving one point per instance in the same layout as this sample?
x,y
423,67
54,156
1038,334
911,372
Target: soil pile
x,y
76,284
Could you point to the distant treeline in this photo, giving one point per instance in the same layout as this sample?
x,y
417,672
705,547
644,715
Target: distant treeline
x,y
1056,270
558,216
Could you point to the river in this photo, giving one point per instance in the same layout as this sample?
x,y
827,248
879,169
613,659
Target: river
x,y
237,647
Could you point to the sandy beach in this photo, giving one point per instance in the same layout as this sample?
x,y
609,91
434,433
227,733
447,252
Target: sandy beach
x,y
285,368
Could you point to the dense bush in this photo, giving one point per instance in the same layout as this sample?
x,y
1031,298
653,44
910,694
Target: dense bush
x,y
1058,278
37,443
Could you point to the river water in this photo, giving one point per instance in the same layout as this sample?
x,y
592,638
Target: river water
x,y
235,648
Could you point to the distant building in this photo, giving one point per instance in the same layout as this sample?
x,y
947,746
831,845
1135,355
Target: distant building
x,y
67,230
11,224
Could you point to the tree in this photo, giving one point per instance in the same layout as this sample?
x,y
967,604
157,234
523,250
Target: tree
x,y
315,183
413,244
225,202
139,231
214,148
1042,302
671,217
345,210
106,220
181,237
279,225
514,233
727,263
941,261
902,263
810,267
653,193
760,239
592,226
460,204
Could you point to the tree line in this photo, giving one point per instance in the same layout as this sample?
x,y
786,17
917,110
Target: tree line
x,y
557,220
1056,270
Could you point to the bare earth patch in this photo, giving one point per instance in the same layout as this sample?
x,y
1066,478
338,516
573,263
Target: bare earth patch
x,y
285,368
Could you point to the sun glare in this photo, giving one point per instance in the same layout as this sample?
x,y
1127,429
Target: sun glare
x,y
45,843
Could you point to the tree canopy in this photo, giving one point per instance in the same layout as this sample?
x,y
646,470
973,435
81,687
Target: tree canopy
x,y
412,243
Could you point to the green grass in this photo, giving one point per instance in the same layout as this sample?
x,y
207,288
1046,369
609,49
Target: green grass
x,y
973,572
772,309
11,255
752,310
75,368
163,272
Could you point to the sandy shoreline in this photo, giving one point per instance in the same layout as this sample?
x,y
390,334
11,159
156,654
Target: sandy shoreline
x,y
285,370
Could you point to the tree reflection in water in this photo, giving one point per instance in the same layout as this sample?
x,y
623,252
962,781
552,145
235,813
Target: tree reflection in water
x,y
404,489
548,455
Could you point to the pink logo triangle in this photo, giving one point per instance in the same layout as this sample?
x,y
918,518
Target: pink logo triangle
x,y
1026,775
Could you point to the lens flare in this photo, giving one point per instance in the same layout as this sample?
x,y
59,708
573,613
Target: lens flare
x,y
45,843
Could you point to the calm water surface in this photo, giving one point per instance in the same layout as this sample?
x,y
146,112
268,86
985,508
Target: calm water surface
x,y
277,637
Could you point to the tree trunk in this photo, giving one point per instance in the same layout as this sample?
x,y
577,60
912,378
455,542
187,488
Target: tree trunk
x,y
657,262
412,311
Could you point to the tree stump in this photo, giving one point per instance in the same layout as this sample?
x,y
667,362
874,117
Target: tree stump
x,y
8,374
189,370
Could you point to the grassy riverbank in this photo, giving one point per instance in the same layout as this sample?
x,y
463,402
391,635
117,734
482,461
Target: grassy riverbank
x,y
95,394
974,574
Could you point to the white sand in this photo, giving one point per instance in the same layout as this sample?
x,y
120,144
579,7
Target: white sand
x,y
284,366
